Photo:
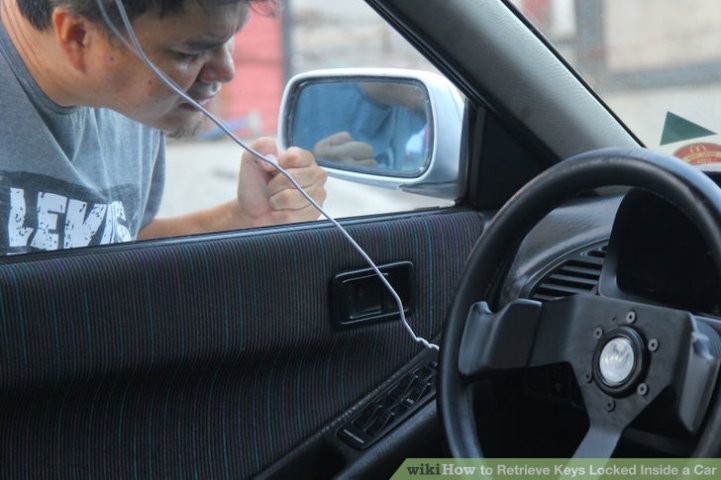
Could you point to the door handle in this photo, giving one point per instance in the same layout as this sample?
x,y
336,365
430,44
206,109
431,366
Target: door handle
x,y
359,297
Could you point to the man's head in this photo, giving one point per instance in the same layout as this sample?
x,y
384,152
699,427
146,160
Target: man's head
x,y
189,40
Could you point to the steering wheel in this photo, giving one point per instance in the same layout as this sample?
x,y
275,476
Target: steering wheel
x,y
623,353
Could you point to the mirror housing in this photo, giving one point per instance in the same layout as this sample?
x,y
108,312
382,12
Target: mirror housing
x,y
429,144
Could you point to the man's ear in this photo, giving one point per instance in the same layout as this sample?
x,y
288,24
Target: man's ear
x,y
73,34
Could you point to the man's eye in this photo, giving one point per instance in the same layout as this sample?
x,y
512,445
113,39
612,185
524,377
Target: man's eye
x,y
188,57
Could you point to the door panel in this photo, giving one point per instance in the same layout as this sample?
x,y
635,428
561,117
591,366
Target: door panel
x,y
202,358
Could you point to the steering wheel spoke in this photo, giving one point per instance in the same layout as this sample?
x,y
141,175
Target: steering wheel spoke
x,y
497,342
696,382
599,442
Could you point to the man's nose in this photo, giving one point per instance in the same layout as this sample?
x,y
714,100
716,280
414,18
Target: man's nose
x,y
220,67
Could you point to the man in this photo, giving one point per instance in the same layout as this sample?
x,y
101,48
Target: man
x,y
81,153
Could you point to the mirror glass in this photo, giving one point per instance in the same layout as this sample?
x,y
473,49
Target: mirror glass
x,y
379,127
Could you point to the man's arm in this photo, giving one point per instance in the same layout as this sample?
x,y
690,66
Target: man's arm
x,y
264,197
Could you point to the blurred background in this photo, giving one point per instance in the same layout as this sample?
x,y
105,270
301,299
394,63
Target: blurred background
x,y
645,58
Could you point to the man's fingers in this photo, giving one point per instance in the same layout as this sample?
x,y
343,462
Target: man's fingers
x,y
267,147
347,152
268,198
368,162
340,147
264,146
306,177
296,157
335,139
292,199
305,214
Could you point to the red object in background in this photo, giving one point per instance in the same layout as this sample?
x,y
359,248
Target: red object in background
x,y
538,12
699,153
250,103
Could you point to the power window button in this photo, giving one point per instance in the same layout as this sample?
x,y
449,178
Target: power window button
x,y
418,392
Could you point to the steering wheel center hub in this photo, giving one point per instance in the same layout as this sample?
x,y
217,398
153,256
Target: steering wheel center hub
x,y
619,361
616,361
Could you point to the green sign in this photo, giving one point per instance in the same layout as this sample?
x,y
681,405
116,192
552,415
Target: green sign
x,y
677,129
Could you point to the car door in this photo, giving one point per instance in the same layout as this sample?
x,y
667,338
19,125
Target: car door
x,y
217,356
208,357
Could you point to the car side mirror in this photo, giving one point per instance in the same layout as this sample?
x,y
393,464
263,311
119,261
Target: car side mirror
x,y
397,129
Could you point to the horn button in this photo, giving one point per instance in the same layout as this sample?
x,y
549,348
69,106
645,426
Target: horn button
x,y
618,362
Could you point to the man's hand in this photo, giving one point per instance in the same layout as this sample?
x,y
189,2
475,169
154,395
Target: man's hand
x,y
340,147
266,197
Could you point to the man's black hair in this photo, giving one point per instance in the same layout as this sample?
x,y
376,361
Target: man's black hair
x,y
38,12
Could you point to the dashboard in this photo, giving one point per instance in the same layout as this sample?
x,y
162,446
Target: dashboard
x,y
636,247
657,255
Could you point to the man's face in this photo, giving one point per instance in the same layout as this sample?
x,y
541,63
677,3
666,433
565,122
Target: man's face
x,y
192,47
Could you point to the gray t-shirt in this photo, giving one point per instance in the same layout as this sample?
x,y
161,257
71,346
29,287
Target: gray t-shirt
x,y
70,176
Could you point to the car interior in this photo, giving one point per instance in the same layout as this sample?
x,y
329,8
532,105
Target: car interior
x,y
227,355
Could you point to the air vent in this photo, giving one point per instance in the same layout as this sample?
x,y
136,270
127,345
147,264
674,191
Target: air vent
x,y
577,274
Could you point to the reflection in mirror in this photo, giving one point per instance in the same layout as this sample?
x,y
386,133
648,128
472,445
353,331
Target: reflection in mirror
x,y
380,127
